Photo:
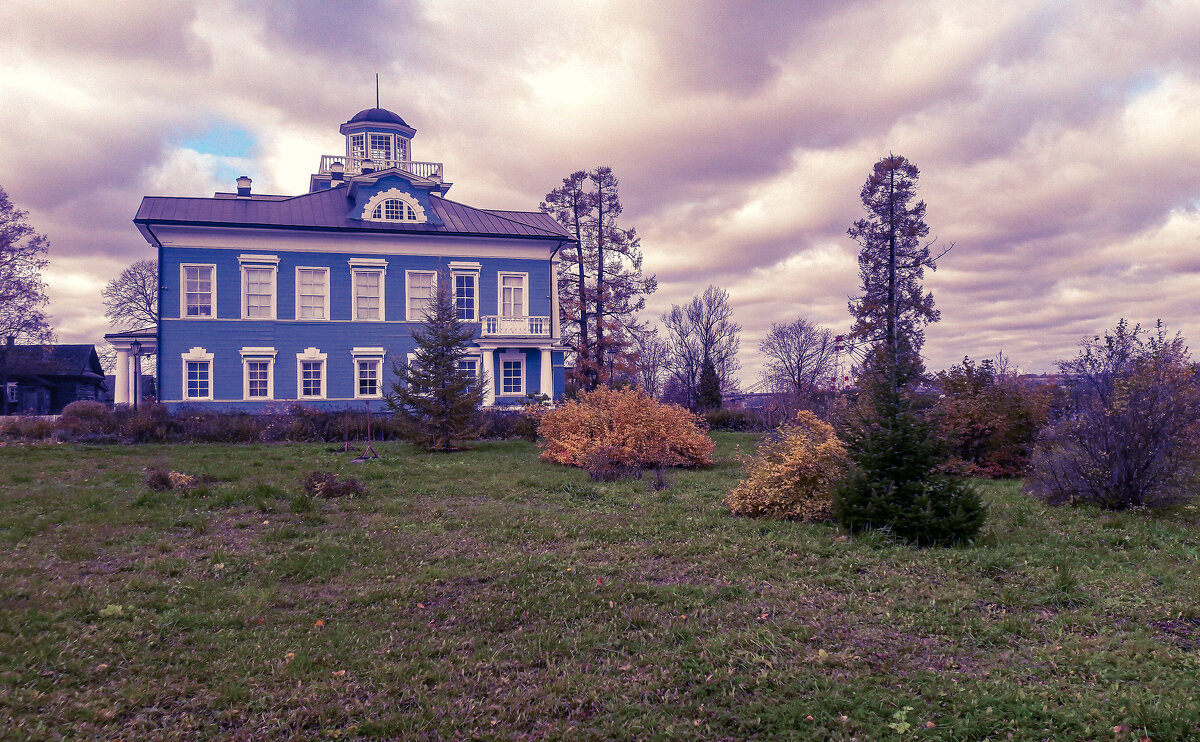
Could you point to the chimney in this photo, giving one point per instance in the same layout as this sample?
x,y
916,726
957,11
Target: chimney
x,y
335,173
368,165
243,184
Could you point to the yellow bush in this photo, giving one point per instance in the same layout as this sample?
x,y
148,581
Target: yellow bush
x,y
793,475
629,427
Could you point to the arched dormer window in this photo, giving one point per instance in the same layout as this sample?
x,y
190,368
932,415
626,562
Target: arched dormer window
x,y
394,210
394,205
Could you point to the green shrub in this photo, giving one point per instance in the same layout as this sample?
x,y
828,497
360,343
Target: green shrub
x,y
793,474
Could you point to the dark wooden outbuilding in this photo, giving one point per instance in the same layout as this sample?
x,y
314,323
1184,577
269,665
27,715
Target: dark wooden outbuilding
x,y
43,379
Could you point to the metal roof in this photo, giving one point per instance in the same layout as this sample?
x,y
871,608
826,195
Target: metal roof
x,y
328,209
380,115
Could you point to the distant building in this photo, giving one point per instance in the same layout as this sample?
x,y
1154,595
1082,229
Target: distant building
x,y
313,298
43,379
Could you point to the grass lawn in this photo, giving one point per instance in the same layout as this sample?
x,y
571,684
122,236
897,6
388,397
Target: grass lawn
x,y
488,594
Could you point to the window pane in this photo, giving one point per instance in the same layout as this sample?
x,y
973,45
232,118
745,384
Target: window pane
x,y
469,366
367,286
420,294
198,290
312,293
464,295
356,145
310,378
512,296
381,146
256,377
260,290
368,378
512,371
197,380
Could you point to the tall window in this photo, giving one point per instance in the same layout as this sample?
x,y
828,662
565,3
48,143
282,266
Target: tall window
x,y
312,293
368,377
358,146
368,294
257,375
464,295
258,298
198,380
381,146
198,290
419,294
401,148
512,376
310,374
512,295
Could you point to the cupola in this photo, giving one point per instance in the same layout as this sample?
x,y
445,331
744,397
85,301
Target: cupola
x,y
379,135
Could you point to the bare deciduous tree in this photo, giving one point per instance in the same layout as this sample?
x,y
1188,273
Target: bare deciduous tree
x,y
800,357
131,299
22,289
699,330
651,362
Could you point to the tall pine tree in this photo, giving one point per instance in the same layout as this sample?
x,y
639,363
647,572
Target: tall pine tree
x,y
601,284
434,394
894,483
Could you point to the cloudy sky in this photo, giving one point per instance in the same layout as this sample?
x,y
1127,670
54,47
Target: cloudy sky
x,y
1059,142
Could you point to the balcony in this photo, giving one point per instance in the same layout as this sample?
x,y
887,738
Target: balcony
x,y
354,166
494,326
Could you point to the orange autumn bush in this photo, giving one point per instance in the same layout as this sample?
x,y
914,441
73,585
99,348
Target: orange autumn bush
x,y
793,474
628,427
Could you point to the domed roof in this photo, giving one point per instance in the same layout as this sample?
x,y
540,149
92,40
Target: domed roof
x,y
376,115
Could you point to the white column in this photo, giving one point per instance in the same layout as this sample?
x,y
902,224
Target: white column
x,y
547,374
489,386
121,393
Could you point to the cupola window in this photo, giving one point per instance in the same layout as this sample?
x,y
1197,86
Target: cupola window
x,y
381,146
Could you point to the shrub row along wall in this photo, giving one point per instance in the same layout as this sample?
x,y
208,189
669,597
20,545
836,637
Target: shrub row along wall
x,y
95,422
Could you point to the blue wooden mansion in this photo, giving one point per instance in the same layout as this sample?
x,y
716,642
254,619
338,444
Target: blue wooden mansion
x,y
267,299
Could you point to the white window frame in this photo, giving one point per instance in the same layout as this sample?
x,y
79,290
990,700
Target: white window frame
x,y
14,395
315,268
511,356
368,265
368,355
409,315
212,290
260,262
312,355
197,355
465,269
351,151
478,359
391,146
259,354
500,276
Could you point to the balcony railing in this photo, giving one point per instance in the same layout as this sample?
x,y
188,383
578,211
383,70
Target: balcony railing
x,y
516,326
354,166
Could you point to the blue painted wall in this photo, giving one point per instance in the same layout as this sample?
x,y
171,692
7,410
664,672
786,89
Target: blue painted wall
x,y
227,334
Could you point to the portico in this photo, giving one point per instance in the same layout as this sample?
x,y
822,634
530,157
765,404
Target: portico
x,y
130,347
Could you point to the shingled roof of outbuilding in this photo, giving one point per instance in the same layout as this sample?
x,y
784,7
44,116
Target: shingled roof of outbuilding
x,y
52,360
328,209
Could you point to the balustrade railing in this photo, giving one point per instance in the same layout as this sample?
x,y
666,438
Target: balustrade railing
x,y
354,166
516,326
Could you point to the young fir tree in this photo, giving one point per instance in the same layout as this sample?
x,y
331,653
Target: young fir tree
x,y
894,483
435,398
709,393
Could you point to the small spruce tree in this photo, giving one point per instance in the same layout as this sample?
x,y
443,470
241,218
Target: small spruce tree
x,y
435,398
708,395
894,483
